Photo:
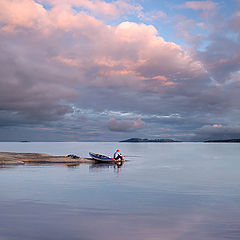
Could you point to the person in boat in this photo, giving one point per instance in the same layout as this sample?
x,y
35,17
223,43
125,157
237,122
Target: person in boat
x,y
117,155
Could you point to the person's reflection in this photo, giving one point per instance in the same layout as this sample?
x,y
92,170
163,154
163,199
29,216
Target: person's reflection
x,y
118,165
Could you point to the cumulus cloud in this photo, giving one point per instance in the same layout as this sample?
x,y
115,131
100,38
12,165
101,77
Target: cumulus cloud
x,y
124,125
65,56
30,87
56,50
25,13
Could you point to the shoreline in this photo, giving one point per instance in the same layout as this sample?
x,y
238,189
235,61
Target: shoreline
x,y
12,158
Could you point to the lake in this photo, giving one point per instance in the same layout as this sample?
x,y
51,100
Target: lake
x,y
167,191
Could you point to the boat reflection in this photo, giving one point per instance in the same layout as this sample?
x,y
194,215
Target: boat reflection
x,y
97,167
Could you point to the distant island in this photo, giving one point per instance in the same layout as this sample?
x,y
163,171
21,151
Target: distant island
x,y
223,141
139,140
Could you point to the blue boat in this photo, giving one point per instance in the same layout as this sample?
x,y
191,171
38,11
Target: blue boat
x,y
101,158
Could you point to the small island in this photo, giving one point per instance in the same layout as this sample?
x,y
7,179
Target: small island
x,y
145,140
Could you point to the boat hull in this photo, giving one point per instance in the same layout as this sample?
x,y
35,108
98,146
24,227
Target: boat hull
x,y
101,158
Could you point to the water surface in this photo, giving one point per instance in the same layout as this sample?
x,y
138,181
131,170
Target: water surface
x,y
169,191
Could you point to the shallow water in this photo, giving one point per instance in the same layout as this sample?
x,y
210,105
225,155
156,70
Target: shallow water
x,y
169,191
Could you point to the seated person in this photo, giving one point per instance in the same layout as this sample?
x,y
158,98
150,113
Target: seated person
x,y
118,155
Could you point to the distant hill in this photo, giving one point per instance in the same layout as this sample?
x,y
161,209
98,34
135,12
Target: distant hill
x,y
224,141
139,140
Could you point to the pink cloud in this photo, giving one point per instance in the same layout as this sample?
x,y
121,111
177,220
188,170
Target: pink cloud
x,y
132,50
73,50
25,13
235,22
124,125
200,5
217,125
207,8
99,7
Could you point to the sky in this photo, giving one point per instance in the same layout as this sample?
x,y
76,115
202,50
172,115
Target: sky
x,y
95,70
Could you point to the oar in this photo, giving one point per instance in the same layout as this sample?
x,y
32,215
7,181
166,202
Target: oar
x,y
131,156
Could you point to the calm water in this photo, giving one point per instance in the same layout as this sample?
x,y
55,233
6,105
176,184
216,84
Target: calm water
x,y
169,191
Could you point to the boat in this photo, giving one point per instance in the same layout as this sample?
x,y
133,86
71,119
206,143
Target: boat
x,y
101,158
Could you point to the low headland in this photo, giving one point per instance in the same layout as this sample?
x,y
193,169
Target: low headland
x,y
12,158
223,141
146,140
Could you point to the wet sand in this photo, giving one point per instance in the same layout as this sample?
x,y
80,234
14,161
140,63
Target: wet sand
x,y
12,158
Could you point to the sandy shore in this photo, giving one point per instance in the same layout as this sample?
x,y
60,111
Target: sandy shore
x,y
11,158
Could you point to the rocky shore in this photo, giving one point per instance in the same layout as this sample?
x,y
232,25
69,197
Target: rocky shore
x,y
12,158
